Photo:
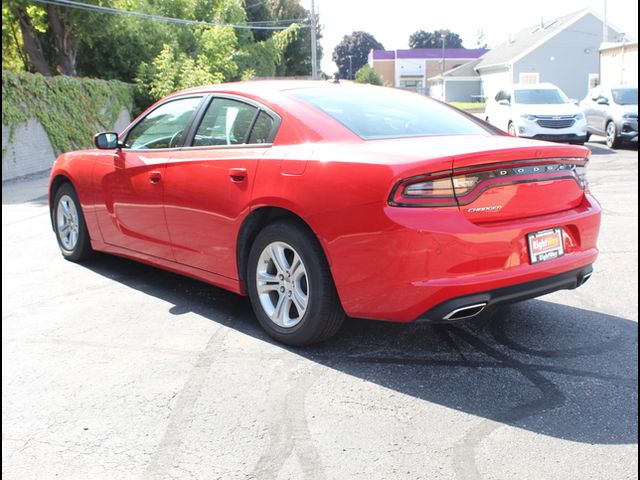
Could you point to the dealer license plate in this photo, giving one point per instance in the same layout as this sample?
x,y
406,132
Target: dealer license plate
x,y
545,245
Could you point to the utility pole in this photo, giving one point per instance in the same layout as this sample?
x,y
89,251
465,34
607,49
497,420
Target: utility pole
x,y
443,36
605,27
314,41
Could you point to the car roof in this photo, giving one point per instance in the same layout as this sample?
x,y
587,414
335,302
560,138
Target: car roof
x,y
261,86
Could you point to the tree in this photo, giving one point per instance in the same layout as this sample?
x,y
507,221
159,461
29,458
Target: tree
x,y
480,40
13,57
159,56
352,53
296,59
28,20
424,39
368,75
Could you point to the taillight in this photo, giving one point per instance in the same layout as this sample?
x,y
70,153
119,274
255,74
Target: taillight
x,y
424,191
445,190
581,175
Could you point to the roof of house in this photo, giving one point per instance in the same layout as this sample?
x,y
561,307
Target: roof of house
x,y
613,46
465,70
528,39
427,53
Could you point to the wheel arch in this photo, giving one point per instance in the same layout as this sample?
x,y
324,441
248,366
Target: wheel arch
x,y
254,223
54,185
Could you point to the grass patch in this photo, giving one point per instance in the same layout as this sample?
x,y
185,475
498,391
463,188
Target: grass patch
x,y
468,105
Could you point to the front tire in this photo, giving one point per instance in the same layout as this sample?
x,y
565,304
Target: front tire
x,y
613,141
290,286
70,226
512,130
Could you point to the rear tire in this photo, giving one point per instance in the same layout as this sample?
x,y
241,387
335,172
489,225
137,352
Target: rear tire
x,y
587,137
290,286
70,226
613,141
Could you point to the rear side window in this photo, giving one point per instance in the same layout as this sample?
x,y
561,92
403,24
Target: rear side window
x,y
226,122
379,112
261,132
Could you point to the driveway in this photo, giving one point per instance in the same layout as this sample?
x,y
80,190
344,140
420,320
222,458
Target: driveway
x,y
113,369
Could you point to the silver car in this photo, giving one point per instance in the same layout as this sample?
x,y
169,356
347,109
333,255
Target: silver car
x,y
612,112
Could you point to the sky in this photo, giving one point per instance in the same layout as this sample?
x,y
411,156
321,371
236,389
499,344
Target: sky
x,y
391,23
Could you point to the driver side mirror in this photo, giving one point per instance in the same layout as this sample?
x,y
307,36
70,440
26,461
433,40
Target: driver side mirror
x,y
504,102
602,101
106,140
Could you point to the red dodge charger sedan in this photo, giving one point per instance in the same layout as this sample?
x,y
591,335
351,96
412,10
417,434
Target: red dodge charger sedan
x,y
320,200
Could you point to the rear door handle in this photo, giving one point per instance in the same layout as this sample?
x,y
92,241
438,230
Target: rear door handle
x,y
155,177
238,175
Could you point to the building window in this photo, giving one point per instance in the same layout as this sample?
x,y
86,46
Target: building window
x,y
529,78
411,83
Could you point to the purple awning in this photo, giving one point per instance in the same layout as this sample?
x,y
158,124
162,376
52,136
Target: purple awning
x,y
426,53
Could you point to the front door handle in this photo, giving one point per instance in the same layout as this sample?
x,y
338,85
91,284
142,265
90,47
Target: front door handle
x,y
238,175
155,177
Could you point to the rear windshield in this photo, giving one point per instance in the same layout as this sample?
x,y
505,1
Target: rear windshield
x,y
540,96
375,113
625,96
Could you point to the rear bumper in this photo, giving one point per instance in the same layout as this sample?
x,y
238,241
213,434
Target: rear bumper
x,y
511,294
407,261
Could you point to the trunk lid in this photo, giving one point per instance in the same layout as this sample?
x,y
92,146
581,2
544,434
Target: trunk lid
x,y
520,178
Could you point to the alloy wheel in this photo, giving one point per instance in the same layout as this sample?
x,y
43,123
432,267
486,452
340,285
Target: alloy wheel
x,y
611,134
67,222
282,284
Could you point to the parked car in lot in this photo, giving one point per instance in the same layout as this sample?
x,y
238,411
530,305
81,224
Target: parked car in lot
x,y
318,199
541,111
612,112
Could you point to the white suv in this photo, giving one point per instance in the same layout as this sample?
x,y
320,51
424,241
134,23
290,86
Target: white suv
x,y
541,111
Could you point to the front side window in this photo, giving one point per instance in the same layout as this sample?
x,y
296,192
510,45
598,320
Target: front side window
x,y
226,122
625,96
540,96
164,127
379,112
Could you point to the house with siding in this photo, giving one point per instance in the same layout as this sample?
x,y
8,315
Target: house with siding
x,y
460,84
619,63
410,69
564,51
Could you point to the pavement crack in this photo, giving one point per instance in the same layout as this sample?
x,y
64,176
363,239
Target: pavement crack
x,y
288,431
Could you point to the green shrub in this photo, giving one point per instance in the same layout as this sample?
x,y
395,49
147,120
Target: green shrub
x,y
368,75
71,110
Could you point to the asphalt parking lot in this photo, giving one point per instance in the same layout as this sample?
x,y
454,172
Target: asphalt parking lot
x,y
116,370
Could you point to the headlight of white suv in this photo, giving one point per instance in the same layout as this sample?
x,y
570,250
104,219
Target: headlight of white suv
x,y
532,118
579,116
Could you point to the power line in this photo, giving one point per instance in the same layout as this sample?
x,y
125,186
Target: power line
x,y
179,21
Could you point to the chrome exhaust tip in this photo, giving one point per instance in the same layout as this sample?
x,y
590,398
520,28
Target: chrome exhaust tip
x,y
468,311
